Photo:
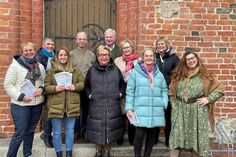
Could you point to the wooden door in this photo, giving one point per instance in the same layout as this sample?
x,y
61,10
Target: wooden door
x,y
63,18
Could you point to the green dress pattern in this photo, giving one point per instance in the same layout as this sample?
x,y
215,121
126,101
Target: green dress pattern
x,y
190,121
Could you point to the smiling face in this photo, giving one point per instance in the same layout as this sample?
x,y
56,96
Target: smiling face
x,y
62,56
191,61
148,57
103,57
81,40
28,51
110,38
127,48
49,45
161,46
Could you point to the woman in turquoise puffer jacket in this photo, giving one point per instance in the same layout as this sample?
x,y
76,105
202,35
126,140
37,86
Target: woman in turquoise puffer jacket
x,y
147,96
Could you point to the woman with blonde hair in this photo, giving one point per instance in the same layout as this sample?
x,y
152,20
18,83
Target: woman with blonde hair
x,y
146,97
24,84
126,63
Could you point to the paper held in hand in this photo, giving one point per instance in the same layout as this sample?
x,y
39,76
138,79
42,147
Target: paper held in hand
x,y
28,88
134,119
63,79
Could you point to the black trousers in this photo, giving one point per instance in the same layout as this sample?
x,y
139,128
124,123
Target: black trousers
x,y
81,122
140,133
167,127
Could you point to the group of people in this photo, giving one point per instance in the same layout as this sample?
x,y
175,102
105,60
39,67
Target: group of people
x,y
107,88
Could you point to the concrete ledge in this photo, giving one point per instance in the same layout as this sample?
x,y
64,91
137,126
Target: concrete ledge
x,y
82,150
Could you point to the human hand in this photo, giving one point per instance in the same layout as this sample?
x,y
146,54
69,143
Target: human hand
x,y
202,101
27,98
70,88
129,113
60,88
38,92
120,95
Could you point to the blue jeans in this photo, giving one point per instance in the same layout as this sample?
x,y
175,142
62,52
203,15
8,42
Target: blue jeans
x,y
25,119
69,123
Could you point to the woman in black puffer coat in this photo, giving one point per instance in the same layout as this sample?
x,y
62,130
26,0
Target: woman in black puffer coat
x,y
104,86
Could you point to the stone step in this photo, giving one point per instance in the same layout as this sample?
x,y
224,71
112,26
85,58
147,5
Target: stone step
x,y
83,149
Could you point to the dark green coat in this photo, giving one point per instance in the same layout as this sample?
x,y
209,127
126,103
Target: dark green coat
x,y
115,52
67,102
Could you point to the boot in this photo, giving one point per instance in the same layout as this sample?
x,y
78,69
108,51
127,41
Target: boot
x,y
47,140
98,154
68,153
107,153
59,154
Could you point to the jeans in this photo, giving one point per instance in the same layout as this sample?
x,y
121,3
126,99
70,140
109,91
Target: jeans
x,y
69,123
25,119
81,122
140,133
48,128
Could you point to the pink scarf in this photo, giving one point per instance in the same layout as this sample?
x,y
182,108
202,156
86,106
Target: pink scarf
x,y
129,59
150,74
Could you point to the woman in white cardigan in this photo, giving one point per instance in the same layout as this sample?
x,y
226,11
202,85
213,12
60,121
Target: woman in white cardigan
x,y
24,84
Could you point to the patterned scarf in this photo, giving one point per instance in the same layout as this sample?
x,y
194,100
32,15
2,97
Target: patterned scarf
x,y
33,68
129,59
150,72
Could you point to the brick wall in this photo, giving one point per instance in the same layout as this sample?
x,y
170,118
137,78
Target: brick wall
x,y
20,21
207,27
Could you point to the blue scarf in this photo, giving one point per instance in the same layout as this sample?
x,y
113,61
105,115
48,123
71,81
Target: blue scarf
x,y
46,53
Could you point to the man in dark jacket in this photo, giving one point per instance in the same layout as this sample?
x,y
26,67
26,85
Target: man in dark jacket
x,y
110,41
104,85
44,55
167,60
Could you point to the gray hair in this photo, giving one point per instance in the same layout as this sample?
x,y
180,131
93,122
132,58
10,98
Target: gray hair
x,y
110,30
82,32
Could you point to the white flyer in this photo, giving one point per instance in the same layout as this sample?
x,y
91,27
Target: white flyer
x,y
134,119
63,79
28,88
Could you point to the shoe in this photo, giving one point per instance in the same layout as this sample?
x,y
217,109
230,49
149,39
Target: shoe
x,y
167,142
156,140
47,140
98,154
107,153
120,141
59,154
68,153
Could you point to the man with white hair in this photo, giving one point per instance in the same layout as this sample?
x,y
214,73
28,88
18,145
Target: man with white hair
x,y
110,42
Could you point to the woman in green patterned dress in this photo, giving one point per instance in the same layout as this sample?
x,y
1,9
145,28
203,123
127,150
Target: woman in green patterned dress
x,y
193,90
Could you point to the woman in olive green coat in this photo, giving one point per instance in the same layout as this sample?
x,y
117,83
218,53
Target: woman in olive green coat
x,y
63,83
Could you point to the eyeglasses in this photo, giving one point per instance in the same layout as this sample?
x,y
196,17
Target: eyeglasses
x,y
126,47
103,55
